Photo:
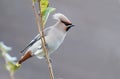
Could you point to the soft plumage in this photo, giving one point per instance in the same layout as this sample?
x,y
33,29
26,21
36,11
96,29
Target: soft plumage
x,y
54,36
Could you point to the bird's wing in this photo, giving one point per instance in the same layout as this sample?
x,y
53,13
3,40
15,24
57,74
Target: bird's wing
x,y
31,43
38,37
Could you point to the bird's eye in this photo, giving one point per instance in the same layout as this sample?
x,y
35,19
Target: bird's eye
x,y
66,23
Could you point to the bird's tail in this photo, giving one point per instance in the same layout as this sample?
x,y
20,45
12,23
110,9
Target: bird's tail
x,y
24,58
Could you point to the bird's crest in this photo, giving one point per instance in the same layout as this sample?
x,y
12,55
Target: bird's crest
x,y
61,17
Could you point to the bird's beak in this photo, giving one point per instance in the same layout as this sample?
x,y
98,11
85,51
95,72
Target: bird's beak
x,y
71,25
67,28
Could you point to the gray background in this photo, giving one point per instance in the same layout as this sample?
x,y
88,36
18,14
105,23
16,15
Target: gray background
x,y
91,50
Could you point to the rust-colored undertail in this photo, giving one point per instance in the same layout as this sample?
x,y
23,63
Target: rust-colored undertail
x,y
25,57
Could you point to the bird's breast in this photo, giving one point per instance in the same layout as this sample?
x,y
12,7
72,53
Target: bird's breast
x,y
53,42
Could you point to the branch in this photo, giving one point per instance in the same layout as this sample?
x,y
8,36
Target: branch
x,y
40,26
9,60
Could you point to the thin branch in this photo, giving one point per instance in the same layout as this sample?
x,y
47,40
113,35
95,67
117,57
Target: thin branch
x,y
44,47
40,29
12,75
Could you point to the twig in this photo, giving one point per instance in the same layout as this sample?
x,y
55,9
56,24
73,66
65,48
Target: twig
x,y
12,75
40,29
45,50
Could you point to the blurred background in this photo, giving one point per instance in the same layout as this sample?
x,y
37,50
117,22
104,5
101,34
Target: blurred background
x,y
91,50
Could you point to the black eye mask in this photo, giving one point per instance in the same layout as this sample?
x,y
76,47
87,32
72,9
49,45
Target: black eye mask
x,y
66,23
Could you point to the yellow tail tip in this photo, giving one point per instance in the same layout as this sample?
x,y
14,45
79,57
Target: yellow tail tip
x,y
18,65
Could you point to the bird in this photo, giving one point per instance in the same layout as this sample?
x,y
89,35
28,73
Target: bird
x,y
54,37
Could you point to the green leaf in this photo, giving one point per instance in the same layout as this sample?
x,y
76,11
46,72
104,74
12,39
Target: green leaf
x,y
10,61
46,14
11,66
44,4
34,1
9,58
45,10
4,48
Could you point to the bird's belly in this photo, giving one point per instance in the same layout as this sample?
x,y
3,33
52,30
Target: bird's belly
x,y
52,46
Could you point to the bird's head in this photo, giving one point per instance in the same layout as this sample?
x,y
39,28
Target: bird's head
x,y
66,23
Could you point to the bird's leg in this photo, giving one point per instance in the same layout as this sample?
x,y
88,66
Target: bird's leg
x,y
25,57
